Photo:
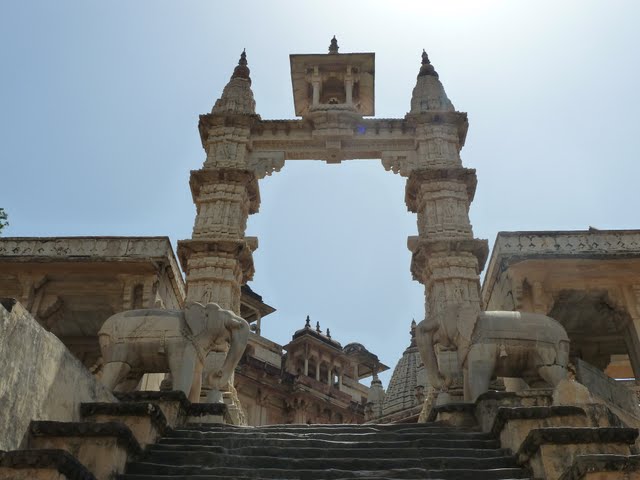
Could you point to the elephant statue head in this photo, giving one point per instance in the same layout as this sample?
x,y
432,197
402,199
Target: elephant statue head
x,y
451,329
230,333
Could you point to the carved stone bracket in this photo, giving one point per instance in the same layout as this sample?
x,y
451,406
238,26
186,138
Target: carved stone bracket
x,y
265,163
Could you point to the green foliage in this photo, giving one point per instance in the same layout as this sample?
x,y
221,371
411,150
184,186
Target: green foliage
x,y
3,219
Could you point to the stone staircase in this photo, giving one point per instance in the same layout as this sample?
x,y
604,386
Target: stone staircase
x,y
434,451
161,435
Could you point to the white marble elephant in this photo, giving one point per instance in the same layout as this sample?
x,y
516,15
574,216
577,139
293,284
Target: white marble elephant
x,y
136,342
494,344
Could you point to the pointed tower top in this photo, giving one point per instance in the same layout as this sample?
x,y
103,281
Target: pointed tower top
x,y
413,333
307,322
428,94
333,48
427,68
318,327
237,97
242,71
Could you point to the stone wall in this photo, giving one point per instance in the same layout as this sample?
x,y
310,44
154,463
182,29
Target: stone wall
x,y
39,378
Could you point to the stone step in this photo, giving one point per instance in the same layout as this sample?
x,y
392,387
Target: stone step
x,y
325,429
333,474
42,464
489,443
353,437
332,452
182,462
593,467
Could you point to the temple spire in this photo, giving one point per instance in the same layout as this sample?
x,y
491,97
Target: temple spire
x,y
428,94
237,97
333,48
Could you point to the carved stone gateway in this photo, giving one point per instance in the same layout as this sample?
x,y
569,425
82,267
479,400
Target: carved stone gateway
x,y
334,95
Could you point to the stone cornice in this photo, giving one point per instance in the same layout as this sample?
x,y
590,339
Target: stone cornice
x,y
226,175
422,249
513,247
154,250
428,175
363,139
241,248
211,120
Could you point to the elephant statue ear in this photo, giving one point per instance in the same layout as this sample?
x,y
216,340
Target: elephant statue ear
x,y
196,317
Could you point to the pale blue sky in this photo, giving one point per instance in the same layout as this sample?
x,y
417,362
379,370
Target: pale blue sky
x,y
99,107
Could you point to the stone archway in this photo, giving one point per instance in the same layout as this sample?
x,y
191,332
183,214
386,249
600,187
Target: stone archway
x,y
424,146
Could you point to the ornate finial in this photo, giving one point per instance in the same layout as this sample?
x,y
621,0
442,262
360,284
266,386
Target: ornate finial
x,y
243,57
328,333
333,48
318,327
427,68
242,71
413,334
425,57
307,322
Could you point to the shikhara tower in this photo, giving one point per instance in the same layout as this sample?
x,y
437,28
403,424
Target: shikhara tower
x,y
334,95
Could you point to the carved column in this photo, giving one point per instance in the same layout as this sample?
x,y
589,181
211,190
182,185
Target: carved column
x,y
218,258
446,258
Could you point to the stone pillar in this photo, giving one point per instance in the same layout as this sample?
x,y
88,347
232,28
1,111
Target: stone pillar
x,y
318,370
306,366
218,258
446,258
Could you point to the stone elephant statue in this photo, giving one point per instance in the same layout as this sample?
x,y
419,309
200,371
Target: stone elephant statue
x,y
136,342
529,346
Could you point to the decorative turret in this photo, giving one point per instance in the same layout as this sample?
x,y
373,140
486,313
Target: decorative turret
x,y
237,96
428,94
333,48
375,399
